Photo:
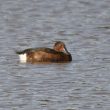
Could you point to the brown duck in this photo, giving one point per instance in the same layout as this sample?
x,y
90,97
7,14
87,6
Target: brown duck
x,y
59,53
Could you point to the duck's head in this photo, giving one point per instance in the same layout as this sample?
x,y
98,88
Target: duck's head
x,y
60,47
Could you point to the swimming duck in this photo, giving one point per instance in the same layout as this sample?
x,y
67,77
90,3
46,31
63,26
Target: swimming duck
x,y
59,53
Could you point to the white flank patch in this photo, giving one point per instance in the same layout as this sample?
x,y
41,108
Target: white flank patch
x,y
23,58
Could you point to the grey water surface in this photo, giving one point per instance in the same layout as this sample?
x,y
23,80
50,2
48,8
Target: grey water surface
x,y
84,83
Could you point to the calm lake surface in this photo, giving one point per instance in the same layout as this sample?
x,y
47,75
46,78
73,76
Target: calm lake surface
x,y
84,83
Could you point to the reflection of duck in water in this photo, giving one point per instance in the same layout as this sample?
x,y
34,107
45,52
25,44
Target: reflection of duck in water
x,y
58,54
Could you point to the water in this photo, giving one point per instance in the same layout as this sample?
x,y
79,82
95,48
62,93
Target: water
x,y
84,83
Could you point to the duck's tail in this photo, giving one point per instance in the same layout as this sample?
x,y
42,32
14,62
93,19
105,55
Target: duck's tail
x,y
22,56
19,52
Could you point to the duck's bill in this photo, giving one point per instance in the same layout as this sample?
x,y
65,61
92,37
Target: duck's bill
x,y
65,50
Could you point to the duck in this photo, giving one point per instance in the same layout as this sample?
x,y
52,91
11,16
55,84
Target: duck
x,y
58,53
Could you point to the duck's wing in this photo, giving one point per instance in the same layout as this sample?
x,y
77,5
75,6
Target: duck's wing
x,y
25,51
